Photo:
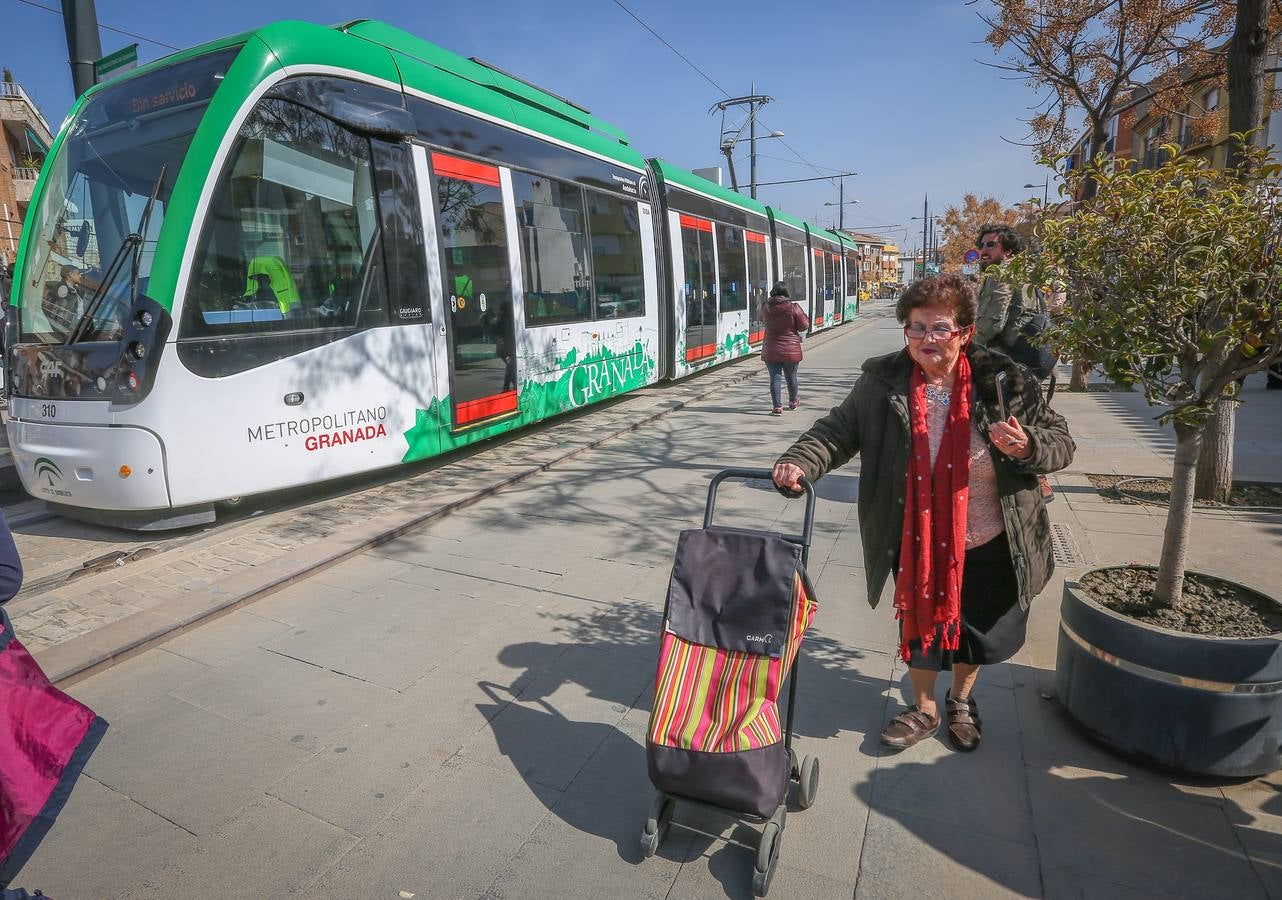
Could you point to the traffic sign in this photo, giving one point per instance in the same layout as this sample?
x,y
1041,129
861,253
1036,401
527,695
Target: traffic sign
x,y
118,63
972,256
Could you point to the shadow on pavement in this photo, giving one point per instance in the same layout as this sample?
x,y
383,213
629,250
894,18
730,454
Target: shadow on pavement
x,y
1042,809
594,752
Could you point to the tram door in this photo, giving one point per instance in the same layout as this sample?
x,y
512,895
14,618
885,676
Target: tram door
x,y
820,316
479,321
699,289
732,276
792,272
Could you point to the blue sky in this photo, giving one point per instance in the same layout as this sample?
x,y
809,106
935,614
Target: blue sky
x,y
889,90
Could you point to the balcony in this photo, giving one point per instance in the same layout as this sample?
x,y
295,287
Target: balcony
x,y
24,183
22,118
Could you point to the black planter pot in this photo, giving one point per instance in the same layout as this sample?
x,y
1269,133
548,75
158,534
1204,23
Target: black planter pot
x,y
1206,705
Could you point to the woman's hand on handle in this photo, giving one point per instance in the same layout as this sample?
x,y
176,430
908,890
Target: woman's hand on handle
x,y
788,477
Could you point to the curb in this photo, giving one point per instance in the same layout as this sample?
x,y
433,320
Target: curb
x,y
79,658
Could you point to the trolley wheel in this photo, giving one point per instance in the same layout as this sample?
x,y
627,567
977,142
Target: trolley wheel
x,y
763,871
808,790
656,825
794,772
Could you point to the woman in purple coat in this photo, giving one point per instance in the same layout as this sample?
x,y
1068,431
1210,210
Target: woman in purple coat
x,y
45,738
785,323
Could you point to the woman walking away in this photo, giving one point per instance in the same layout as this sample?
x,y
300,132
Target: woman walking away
x,y
785,323
952,437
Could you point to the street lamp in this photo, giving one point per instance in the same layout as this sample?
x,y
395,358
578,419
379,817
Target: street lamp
x,y
1046,187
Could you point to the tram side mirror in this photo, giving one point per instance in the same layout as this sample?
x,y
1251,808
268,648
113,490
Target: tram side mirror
x,y
388,123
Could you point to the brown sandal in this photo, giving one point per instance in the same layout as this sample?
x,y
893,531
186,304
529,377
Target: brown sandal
x,y
964,729
908,728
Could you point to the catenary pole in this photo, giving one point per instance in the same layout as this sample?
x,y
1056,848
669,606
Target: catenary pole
x,y
83,46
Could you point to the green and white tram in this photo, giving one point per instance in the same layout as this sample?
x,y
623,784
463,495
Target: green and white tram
x,y
305,252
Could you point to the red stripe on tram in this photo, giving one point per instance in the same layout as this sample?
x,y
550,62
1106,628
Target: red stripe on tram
x,y
696,223
475,410
756,237
464,169
694,354
819,320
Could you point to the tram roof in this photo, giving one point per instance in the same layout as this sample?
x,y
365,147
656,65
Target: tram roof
x,y
684,178
789,219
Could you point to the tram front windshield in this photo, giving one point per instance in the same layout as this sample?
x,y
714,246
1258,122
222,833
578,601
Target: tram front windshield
x,y
96,190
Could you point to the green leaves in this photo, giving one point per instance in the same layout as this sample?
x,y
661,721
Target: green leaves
x,y
1170,273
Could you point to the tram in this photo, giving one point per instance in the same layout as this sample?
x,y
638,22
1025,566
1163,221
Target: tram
x,y
303,253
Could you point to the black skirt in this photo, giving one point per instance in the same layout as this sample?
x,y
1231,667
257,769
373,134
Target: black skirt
x,y
993,623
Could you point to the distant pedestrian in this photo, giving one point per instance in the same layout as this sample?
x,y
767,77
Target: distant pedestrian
x,y
928,425
785,323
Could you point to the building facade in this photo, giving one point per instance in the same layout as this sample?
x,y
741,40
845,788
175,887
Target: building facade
x,y
27,137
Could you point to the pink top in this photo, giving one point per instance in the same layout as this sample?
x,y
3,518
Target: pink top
x,y
983,510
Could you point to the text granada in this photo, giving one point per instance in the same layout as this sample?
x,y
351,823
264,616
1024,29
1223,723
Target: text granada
x,y
339,438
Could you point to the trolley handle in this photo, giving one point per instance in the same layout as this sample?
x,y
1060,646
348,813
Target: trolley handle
x,y
808,523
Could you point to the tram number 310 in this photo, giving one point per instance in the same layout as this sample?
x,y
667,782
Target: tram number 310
x,y
49,410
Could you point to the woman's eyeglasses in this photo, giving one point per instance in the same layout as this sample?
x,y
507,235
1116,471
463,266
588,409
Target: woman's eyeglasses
x,y
917,331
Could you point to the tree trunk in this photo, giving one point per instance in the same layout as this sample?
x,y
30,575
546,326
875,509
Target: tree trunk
x,y
1247,52
1248,49
1175,540
1080,372
1215,463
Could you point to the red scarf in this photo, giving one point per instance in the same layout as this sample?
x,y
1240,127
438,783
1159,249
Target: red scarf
x,y
928,585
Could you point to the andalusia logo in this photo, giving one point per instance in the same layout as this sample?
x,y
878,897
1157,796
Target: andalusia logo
x,y
47,468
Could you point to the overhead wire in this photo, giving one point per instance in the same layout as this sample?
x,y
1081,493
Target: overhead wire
x,y
132,34
708,78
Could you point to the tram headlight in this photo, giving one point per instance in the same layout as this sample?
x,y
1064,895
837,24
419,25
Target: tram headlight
x,y
137,349
144,319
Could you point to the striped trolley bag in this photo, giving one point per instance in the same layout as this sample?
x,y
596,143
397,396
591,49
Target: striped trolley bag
x,y
738,604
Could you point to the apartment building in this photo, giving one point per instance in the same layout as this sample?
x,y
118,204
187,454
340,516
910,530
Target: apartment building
x,y
27,137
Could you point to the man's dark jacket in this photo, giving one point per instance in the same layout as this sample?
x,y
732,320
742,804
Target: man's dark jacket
x,y
873,422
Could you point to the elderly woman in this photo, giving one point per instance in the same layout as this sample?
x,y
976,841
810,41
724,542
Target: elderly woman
x,y
948,497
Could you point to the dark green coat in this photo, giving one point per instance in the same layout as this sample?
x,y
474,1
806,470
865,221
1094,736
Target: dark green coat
x,y
873,422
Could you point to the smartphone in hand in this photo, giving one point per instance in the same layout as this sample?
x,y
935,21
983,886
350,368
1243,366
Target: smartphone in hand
x,y
1001,396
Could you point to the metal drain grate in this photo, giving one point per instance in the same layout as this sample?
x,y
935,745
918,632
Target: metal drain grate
x,y
1065,546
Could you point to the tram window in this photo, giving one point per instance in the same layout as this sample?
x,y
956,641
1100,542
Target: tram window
x,y
733,268
794,271
852,275
554,252
617,265
758,286
290,243
403,247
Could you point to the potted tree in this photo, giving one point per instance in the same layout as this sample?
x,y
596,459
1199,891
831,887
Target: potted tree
x,y
1177,273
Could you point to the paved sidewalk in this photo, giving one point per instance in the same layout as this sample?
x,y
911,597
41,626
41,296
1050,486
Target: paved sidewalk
x,y
461,711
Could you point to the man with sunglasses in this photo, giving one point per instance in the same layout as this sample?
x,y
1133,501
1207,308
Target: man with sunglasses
x,y
996,243
1003,306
